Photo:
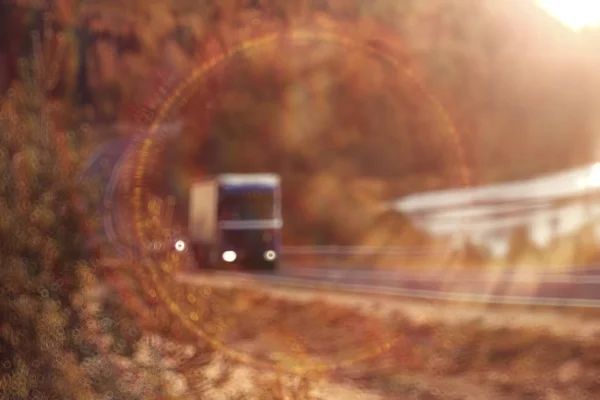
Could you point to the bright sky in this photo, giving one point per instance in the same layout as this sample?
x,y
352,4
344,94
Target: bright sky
x,y
574,13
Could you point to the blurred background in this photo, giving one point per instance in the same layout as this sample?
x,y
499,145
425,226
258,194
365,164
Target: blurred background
x,y
507,91
463,133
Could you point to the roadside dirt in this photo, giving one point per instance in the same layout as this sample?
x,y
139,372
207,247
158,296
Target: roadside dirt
x,y
422,311
439,374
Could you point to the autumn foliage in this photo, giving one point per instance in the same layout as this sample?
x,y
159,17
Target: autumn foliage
x,y
343,122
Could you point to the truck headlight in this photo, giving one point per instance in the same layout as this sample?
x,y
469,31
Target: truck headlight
x,y
229,256
180,245
270,255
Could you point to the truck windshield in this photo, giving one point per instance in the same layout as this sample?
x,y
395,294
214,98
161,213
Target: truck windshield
x,y
246,205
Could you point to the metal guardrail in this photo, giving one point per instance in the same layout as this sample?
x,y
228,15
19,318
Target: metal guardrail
x,y
335,257
449,296
424,294
450,276
359,250
355,255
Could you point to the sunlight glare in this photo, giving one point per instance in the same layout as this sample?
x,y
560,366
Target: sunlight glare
x,y
594,178
575,14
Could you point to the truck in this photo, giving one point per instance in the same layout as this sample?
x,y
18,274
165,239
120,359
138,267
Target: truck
x,y
235,221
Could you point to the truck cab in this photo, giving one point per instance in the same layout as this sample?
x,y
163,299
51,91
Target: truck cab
x,y
236,222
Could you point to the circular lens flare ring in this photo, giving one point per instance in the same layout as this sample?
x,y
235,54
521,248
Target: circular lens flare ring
x,y
185,90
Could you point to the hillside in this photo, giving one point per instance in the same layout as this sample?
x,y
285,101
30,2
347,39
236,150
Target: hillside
x,y
518,87
518,84
319,119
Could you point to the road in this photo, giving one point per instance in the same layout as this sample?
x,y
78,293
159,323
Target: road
x,y
578,287
572,290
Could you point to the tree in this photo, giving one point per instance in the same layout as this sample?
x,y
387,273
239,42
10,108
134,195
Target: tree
x,y
49,344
